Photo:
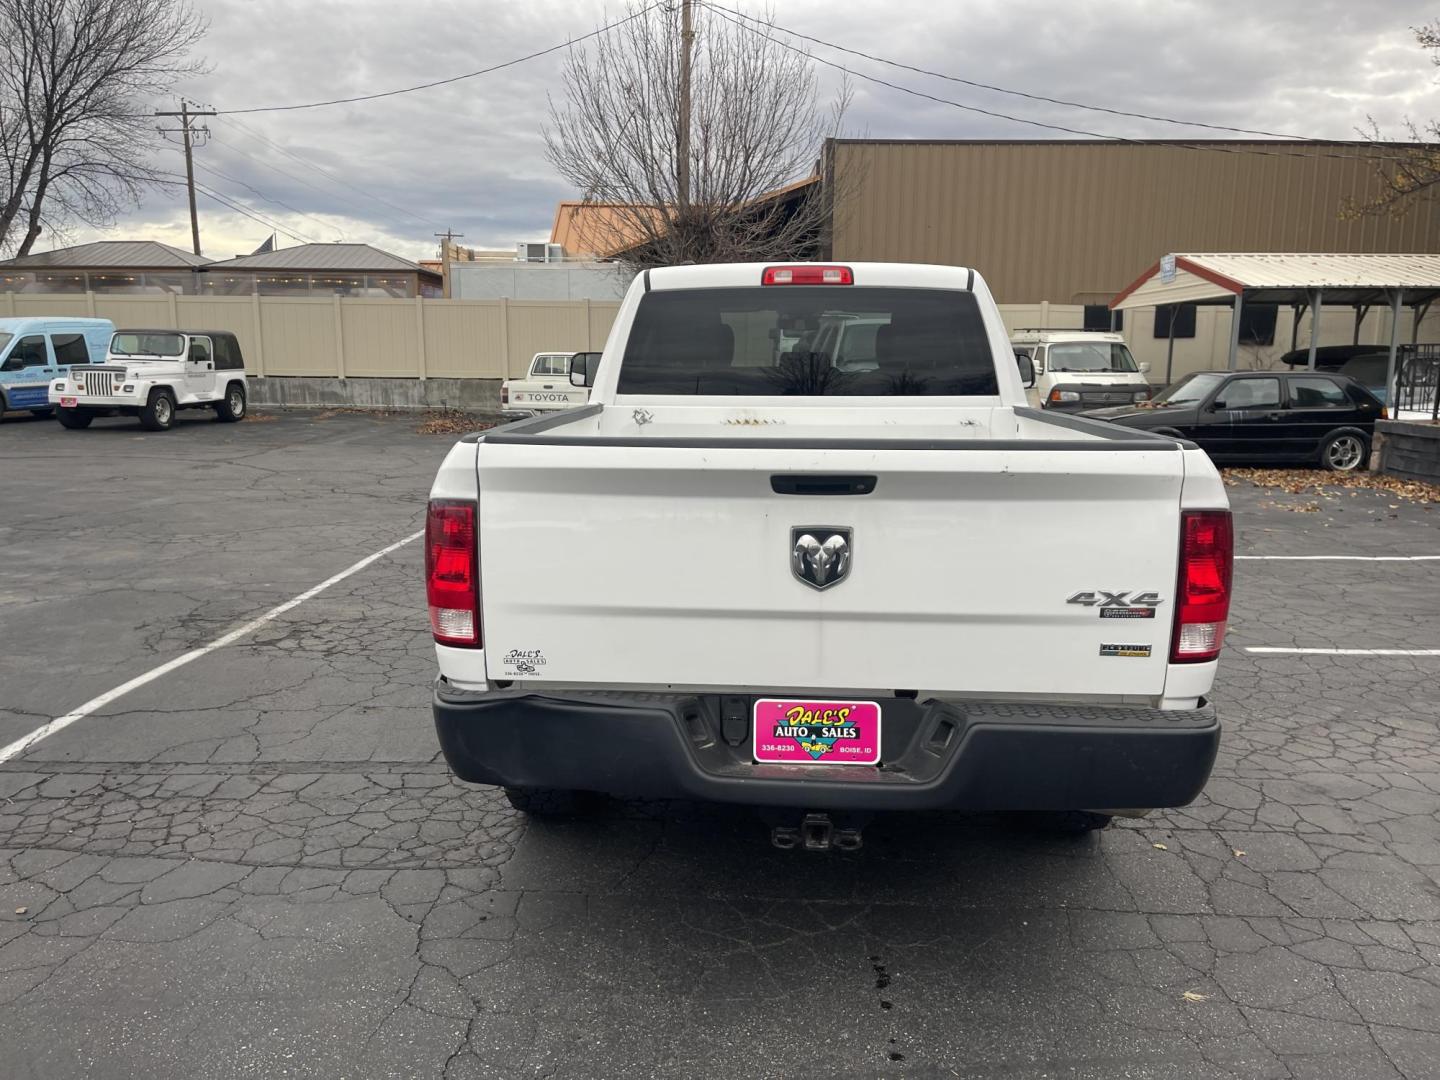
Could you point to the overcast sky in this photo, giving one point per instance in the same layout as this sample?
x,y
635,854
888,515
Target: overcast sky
x,y
469,156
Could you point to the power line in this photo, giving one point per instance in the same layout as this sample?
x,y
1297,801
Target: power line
x,y
246,129
329,175
1204,147
179,182
255,215
269,198
1000,89
275,168
454,78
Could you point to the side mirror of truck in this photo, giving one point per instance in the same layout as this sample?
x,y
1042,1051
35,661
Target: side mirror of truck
x,y
1144,367
1027,369
584,366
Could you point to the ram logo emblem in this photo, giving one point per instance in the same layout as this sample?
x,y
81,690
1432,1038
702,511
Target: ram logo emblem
x,y
820,555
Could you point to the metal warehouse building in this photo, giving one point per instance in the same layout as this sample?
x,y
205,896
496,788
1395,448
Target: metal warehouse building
x,y
1073,222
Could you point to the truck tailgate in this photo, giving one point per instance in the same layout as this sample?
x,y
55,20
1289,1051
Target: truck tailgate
x,y
968,569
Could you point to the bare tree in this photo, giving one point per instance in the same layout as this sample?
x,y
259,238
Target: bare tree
x,y
757,128
77,78
1409,173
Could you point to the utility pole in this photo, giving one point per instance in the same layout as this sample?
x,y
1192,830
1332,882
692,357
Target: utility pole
x,y
448,236
185,133
682,141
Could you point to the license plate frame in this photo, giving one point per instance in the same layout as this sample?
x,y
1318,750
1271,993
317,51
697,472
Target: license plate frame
x,y
817,735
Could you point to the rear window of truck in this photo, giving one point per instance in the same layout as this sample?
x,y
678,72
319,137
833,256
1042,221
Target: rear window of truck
x,y
809,341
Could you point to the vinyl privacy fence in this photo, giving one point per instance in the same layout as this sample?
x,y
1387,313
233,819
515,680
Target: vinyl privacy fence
x,y
356,338
331,336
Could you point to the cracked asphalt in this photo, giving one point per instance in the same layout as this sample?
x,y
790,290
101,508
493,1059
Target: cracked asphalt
x,y
257,865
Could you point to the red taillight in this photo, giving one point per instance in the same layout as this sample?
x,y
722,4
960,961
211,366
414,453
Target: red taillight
x,y
1202,597
807,274
452,580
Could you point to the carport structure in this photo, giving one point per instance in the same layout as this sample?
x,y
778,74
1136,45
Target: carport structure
x,y
1299,280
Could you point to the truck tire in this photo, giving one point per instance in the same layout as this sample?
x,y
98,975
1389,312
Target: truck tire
x,y
74,419
232,406
158,412
546,802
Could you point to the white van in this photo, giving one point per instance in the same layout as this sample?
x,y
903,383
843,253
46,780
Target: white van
x,y
1080,369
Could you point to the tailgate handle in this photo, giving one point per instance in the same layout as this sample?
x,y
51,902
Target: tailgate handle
x,y
825,484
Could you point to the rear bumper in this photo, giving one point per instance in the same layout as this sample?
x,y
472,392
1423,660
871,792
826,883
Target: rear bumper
x,y
936,755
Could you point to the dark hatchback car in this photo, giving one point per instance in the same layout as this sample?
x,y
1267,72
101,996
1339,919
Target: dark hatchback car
x,y
1263,417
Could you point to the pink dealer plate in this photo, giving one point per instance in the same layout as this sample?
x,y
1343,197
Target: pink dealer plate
x,y
792,732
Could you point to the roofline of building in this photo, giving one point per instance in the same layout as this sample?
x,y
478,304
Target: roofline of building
x,y
111,269
1236,287
229,267
1101,141
421,270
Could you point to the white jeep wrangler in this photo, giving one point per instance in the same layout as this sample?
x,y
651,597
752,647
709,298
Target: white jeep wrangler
x,y
150,374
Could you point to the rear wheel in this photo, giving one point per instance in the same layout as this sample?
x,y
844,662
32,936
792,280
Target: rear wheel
x,y
74,419
232,406
158,412
547,802
1344,451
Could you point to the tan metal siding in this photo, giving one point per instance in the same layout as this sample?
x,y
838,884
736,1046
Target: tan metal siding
x,y
1070,221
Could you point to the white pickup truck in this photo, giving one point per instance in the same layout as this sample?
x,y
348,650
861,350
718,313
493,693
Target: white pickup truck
x,y
797,586
545,388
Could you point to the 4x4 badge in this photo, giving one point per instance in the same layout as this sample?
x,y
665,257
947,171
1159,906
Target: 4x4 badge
x,y
1119,605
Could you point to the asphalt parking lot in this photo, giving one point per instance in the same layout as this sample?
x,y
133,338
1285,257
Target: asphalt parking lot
x,y
257,865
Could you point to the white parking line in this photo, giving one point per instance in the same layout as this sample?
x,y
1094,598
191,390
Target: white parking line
x,y
1273,650
1341,558
19,746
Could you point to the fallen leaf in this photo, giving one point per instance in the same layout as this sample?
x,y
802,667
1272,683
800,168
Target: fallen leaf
x,y
1160,847
21,910
1317,482
1239,854
1191,995
450,422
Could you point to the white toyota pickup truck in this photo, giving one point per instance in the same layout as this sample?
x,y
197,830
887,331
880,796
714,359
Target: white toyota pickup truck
x,y
798,586
547,387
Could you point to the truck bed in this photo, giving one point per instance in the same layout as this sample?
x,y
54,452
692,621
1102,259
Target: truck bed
x,y
966,547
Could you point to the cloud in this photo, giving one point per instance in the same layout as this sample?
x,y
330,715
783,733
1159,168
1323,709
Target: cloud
x,y
470,155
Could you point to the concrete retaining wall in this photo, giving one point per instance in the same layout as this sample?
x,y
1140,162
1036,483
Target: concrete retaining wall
x,y
473,395
1409,449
